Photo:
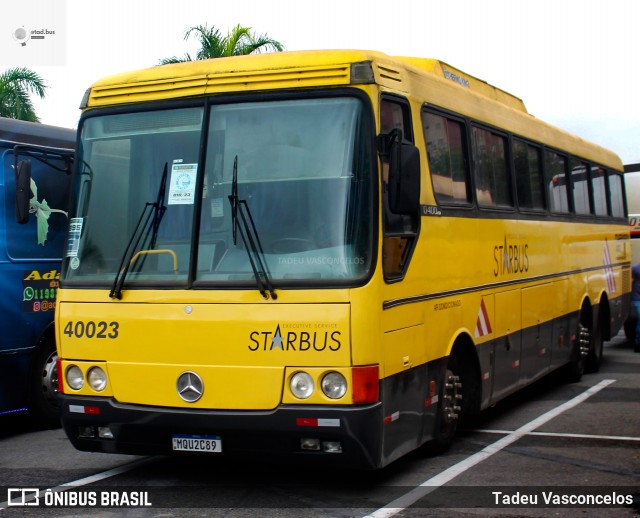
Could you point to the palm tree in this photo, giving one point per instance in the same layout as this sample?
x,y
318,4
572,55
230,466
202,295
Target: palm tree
x,y
238,42
15,86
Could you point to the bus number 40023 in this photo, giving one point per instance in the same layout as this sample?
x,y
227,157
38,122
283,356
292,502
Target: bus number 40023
x,y
91,329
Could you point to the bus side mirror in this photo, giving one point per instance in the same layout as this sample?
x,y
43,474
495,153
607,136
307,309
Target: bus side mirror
x,y
23,190
404,178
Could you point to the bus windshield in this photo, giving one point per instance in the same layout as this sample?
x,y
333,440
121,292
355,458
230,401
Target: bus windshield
x,y
300,168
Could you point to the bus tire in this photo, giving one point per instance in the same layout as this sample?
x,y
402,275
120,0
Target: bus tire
x,y
43,387
596,351
449,409
575,368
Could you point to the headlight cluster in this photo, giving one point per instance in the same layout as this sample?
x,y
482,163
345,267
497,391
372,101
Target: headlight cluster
x,y
96,378
333,385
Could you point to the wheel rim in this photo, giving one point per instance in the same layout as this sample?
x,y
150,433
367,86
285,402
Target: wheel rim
x,y
452,398
584,342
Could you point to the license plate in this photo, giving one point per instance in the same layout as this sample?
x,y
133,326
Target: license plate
x,y
197,443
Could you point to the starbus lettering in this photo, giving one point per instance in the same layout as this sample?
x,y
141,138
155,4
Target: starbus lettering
x,y
510,258
302,341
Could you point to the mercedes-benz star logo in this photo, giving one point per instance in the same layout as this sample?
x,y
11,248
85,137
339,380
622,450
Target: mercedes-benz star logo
x,y
190,386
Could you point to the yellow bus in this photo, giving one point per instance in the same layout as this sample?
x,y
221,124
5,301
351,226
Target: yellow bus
x,y
328,256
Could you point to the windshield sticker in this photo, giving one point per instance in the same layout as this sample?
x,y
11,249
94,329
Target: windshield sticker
x,y
183,184
73,239
217,208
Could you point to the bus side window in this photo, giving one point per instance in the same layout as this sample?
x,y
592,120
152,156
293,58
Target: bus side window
x,y
580,183
400,231
616,193
598,177
446,146
491,170
555,177
528,169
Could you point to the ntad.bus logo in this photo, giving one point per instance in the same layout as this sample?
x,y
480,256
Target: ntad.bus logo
x,y
317,340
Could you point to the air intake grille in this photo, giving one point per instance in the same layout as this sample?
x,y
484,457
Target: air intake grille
x,y
219,82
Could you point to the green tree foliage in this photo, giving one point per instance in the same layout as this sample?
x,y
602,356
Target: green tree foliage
x,y
238,42
16,85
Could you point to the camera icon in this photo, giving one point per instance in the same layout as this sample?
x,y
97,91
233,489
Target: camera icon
x,y
23,497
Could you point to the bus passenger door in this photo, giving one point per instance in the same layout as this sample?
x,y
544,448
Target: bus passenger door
x,y
507,345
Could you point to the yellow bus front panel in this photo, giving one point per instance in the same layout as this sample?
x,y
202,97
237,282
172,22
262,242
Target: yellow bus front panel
x,y
233,347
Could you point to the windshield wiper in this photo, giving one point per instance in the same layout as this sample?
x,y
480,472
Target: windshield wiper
x,y
250,238
152,212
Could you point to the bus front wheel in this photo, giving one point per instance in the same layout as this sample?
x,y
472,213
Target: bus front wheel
x,y
43,406
449,409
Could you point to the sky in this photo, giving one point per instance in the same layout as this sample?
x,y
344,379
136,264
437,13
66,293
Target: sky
x,y
574,63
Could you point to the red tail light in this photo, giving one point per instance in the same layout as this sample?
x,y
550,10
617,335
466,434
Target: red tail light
x,y
365,384
60,376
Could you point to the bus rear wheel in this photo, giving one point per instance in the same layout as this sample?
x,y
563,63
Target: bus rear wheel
x,y
596,351
581,347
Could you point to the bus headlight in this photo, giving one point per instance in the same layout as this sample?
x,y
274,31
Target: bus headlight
x,y
75,378
301,385
334,385
97,378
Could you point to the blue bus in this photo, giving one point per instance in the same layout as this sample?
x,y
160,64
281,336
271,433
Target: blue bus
x,y
36,165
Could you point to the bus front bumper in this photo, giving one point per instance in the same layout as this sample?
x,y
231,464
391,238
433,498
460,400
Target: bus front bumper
x,y
348,436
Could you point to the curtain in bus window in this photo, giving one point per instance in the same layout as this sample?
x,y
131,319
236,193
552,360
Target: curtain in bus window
x,y
493,188
556,181
527,164
598,176
617,198
392,117
580,186
445,145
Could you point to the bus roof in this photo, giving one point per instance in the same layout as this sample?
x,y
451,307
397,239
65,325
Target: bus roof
x,y
281,69
14,132
444,85
446,71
